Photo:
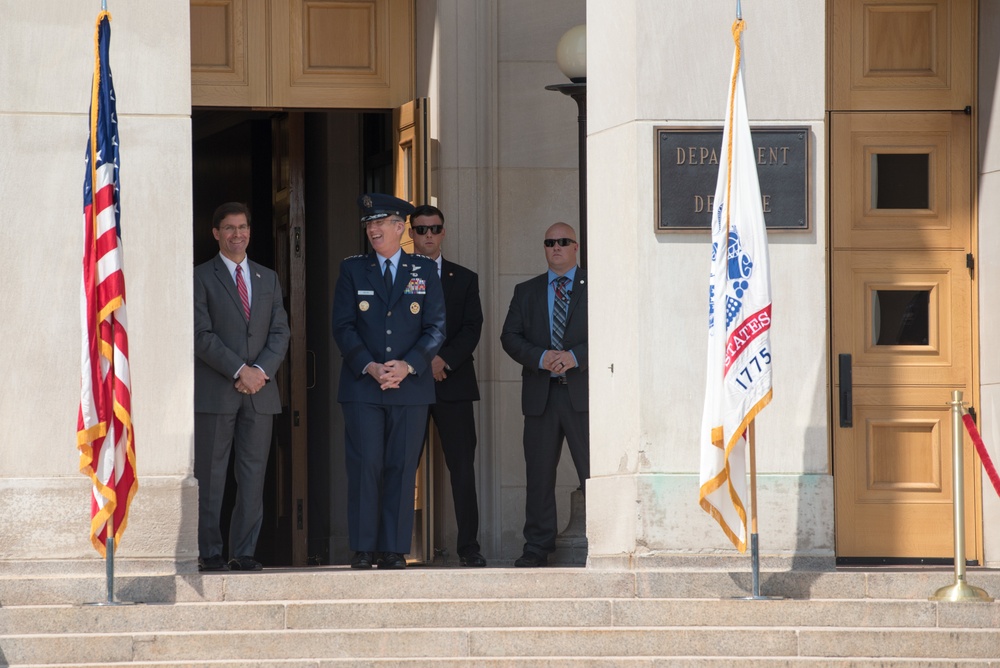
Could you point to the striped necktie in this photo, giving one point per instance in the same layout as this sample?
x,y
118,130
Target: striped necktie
x,y
241,287
560,306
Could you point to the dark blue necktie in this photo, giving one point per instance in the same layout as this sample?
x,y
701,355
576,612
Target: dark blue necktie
x,y
387,276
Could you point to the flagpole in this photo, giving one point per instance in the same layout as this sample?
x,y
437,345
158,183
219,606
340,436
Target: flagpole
x,y
109,564
739,11
109,557
754,546
754,549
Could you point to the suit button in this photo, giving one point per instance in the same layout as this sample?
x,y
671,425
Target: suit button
x,y
388,314
388,349
388,331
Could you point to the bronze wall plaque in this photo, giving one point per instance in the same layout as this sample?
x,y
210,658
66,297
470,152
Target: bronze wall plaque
x,y
687,163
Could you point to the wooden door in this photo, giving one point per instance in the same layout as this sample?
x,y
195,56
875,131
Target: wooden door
x,y
901,98
290,441
325,54
412,168
902,310
412,165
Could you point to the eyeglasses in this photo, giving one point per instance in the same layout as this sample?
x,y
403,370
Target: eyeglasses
x,y
549,243
380,222
424,229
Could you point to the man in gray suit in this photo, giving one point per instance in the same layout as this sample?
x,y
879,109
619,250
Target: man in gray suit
x,y
546,332
240,338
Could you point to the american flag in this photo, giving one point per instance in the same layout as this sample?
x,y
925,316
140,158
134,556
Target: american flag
x,y
104,426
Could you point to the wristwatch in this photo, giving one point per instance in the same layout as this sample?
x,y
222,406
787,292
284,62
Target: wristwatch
x,y
410,369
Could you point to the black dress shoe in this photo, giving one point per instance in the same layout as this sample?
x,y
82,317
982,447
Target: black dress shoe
x,y
362,560
213,563
245,564
531,560
472,559
392,560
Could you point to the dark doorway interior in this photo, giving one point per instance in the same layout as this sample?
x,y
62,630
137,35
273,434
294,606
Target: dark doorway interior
x,y
345,152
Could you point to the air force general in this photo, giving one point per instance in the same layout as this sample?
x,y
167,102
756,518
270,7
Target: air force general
x,y
388,321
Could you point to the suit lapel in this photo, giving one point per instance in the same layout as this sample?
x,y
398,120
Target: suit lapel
x,y
541,301
579,289
256,291
447,279
375,277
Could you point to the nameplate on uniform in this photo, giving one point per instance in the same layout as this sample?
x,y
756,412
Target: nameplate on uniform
x,y
366,292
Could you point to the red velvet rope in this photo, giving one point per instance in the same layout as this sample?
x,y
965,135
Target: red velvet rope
x,y
991,471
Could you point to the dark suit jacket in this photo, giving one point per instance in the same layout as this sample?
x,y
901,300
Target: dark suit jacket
x,y
464,325
224,340
372,326
527,335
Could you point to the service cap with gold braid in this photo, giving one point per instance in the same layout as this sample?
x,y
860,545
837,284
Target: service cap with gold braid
x,y
375,206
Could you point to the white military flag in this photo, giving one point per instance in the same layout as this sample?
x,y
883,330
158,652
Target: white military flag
x,y
739,319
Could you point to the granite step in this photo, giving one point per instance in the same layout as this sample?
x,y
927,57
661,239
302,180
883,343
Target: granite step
x,y
522,613
333,617
341,583
563,662
496,643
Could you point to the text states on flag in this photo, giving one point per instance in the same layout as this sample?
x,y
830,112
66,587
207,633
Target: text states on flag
x,y
738,383
105,435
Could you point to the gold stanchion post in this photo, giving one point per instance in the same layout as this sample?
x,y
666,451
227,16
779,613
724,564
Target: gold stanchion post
x,y
960,590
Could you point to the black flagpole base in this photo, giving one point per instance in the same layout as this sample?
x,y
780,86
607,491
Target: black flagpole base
x,y
755,567
109,560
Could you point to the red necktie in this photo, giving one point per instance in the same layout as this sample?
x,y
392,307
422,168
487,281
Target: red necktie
x,y
241,287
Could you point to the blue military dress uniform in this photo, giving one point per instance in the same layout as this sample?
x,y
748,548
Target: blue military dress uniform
x,y
385,428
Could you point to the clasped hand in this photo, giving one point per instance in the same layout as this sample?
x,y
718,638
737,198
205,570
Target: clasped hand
x,y
438,368
390,374
558,361
250,380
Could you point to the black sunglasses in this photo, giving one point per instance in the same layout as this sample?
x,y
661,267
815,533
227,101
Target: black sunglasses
x,y
424,229
549,243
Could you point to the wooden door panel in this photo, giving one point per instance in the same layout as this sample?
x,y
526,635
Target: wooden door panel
x,y
923,157
228,61
894,467
330,54
411,125
342,53
934,348
900,54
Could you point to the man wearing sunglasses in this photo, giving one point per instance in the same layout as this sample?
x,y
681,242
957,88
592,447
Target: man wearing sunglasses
x,y
546,332
455,375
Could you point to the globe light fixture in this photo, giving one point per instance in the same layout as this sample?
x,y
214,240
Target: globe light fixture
x,y
571,54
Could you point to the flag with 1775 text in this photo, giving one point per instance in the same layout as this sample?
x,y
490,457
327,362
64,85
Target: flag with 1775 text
x,y
739,318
